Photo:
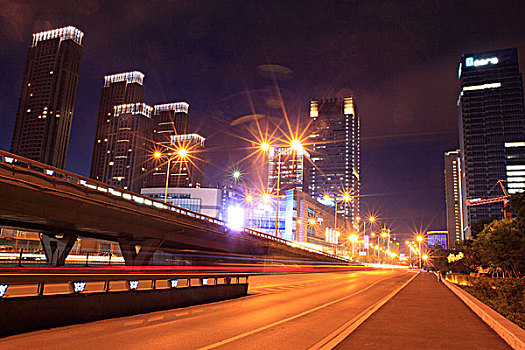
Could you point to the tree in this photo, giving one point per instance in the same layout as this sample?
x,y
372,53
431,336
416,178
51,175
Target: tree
x,y
471,259
480,225
517,205
501,245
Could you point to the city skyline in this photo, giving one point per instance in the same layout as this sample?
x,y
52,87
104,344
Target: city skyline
x,y
398,161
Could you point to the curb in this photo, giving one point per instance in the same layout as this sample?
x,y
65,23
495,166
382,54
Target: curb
x,y
508,331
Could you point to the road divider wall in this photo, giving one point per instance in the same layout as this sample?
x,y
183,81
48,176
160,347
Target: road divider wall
x,y
25,314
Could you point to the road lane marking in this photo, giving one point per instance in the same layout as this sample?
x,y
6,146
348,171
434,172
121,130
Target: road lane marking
x,y
260,329
337,336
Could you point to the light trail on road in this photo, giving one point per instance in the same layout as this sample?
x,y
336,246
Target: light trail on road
x,y
294,311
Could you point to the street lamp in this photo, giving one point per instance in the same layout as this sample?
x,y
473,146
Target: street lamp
x,y
296,146
345,198
265,146
353,239
419,239
181,153
266,197
371,219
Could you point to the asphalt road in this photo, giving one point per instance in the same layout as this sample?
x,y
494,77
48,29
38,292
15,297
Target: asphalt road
x,y
281,312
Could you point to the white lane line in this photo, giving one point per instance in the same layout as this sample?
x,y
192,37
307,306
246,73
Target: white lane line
x,y
337,336
260,329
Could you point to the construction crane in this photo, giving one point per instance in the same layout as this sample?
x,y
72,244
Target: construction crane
x,y
482,201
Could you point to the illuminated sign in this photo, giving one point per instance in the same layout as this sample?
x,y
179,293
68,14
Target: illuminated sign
x,y
79,286
174,283
3,289
204,281
133,284
471,62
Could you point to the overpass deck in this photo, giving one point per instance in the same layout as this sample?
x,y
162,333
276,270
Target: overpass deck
x,y
64,205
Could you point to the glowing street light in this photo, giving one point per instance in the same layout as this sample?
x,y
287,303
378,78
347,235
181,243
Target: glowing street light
x,y
248,198
345,197
266,197
353,238
419,239
296,146
236,174
181,153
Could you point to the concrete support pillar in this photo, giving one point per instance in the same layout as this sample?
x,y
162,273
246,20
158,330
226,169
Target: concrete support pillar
x,y
138,253
57,249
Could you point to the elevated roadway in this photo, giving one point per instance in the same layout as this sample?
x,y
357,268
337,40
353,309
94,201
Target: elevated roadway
x,y
63,206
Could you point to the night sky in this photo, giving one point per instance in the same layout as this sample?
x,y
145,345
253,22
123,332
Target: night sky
x,y
398,58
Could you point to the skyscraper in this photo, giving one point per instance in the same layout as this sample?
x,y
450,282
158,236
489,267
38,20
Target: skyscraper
x,y
169,119
47,99
118,89
457,216
492,126
335,151
127,144
292,166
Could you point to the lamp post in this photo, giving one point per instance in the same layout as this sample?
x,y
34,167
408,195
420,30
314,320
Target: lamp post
x,y
181,153
345,198
425,258
295,146
419,239
371,219
353,239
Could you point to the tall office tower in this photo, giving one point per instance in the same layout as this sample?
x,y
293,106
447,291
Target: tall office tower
x,y
47,99
335,156
118,89
186,161
170,119
128,146
457,217
492,126
292,167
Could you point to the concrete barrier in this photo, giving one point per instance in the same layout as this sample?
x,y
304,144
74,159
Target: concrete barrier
x,y
19,315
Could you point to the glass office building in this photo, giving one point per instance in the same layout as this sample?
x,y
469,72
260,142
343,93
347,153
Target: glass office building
x,y
492,126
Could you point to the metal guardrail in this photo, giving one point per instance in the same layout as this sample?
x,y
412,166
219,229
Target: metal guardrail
x,y
40,284
100,187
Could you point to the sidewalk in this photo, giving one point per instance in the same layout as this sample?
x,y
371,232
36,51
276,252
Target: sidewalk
x,y
424,315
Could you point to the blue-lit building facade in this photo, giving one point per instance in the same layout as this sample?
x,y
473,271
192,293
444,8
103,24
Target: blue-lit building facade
x,y
301,218
437,239
492,126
